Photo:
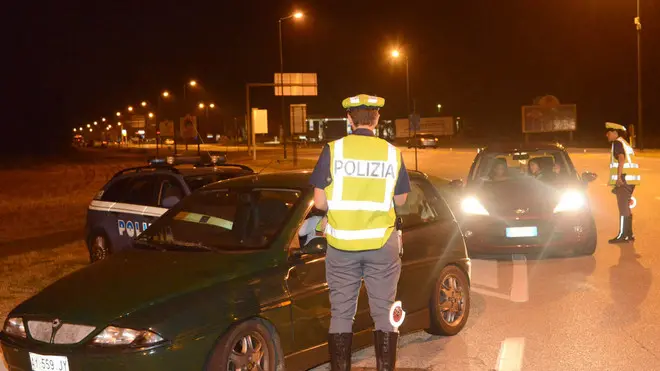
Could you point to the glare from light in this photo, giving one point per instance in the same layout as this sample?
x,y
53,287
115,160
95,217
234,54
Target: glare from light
x,y
192,83
201,106
212,105
144,104
298,15
90,130
395,53
130,108
571,200
166,94
89,126
74,129
95,123
80,128
471,205
151,115
103,119
119,124
118,113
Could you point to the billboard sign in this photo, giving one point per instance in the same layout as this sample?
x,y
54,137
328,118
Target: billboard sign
x,y
188,127
440,126
167,128
138,121
298,118
296,84
260,121
540,119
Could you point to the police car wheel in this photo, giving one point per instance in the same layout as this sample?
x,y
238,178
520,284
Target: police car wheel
x,y
450,302
99,248
250,345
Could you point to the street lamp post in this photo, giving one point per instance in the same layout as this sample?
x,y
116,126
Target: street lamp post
x,y
638,26
296,15
396,54
191,83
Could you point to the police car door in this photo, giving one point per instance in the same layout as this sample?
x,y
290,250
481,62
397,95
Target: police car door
x,y
170,191
138,209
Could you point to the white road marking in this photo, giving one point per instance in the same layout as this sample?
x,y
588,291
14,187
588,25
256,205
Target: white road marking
x,y
519,286
511,354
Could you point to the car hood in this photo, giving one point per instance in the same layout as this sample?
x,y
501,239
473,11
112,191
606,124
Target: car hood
x,y
526,197
125,283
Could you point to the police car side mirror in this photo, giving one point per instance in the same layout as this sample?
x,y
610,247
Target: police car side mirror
x,y
588,177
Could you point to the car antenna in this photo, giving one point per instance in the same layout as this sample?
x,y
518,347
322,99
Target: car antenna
x,y
265,167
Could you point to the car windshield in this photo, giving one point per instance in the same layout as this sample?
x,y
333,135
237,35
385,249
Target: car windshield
x,y
198,181
228,219
542,164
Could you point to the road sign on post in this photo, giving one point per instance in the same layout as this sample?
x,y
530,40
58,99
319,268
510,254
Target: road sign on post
x,y
414,120
167,128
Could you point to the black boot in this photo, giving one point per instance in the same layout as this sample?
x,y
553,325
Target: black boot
x,y
385,344
625,230
628,235
339,346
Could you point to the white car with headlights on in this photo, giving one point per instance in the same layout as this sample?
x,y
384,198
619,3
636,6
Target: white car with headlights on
x,y
526,200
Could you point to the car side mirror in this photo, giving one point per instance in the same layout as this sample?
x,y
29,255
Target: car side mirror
x,y
588,177
456,183
316,246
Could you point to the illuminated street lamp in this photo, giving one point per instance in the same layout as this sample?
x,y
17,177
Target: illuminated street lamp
x,y
90,130
103,119
165,94
439,107
192,84
396,54
211,105
119,124
201,105
296,15
151,115
95,123
130,108
118,113
80,128
88,125
143,104
74,130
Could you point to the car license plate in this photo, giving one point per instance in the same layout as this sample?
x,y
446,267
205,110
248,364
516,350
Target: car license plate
x,y
522,232
48,363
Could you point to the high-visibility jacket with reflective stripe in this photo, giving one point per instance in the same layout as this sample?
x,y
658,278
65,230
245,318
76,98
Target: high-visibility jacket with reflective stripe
x,y
630,168
364,172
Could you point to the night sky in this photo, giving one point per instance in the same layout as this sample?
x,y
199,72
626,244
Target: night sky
x,y
73,62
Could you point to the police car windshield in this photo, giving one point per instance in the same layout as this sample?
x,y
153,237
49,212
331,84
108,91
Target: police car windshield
x,y
503,166
233,219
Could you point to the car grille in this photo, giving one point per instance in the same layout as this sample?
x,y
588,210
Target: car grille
x,y
66,334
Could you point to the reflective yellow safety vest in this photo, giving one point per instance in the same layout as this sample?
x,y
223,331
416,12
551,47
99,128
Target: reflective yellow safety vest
x,y
364,173
630,168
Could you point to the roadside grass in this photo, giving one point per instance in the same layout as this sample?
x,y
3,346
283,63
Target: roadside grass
x,y
25,274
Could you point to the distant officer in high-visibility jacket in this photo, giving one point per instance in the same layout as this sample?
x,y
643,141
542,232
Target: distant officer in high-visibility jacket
x,y
624,176
358,179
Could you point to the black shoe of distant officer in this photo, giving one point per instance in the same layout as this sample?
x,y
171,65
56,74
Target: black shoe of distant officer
x,y
625,231
339,346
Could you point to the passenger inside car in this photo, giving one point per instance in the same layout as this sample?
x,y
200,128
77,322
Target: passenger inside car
x,y
541,168
499,171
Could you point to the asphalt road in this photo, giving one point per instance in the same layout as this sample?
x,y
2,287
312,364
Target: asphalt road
x,y
589,313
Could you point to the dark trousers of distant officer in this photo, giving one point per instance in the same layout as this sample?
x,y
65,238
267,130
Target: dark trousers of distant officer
x,y
380,269
623,196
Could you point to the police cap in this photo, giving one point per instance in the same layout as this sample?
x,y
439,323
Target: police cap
x,y
363,101
613,126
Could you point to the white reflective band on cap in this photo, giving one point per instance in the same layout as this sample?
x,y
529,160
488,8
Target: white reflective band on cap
x,y
355,99
372,100
628,177
626,165
362,234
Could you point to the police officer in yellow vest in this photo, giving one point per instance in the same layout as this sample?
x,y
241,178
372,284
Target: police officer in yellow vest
x,y
358,179
624,176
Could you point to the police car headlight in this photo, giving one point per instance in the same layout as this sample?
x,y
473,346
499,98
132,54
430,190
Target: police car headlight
x,y
472,206
15,326
117,336
571,200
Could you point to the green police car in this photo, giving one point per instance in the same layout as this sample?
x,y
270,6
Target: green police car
x,y
233,278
